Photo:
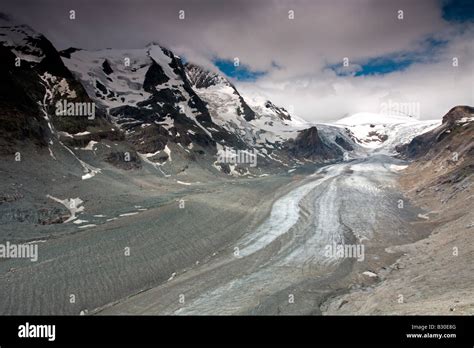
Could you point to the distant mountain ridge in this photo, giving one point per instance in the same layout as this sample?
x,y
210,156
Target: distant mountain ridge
x,y
146,97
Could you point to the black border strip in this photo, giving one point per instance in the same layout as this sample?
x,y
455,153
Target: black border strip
x,y
224,330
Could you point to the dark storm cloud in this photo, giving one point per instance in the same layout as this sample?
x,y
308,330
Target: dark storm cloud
x,y
125,23
258,32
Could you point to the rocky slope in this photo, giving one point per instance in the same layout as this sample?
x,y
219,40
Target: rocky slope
x,y
308,144
34,79
158,101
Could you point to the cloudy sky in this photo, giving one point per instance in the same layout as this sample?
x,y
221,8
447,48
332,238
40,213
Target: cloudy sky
x,y
291,51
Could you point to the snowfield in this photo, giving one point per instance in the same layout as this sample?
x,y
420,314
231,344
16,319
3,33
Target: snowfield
x,y
382,133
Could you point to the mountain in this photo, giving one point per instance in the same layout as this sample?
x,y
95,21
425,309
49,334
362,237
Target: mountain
x,y
432,273
165,114
262,125
205,81
382,133
35,79
455,127
86,133
445,154
158,101
308,144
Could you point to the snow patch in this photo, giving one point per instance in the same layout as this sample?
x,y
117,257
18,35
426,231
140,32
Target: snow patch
x,y
130,214
90,145
397,168
370,274
87,226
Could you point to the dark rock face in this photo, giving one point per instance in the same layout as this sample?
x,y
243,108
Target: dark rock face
x,y
309,145
19,90
101,87
149,139
344,143
281,112
245,110
106,67
418,146
153,77
68,51
125,161
440,137
32,86
457,113
52,62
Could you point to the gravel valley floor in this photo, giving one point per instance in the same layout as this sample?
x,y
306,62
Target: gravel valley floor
x,y
281,267
227,246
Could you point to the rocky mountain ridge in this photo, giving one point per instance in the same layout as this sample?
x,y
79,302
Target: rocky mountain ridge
x,y
146,98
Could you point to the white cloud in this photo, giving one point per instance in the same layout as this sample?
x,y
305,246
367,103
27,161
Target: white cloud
x,y
436,86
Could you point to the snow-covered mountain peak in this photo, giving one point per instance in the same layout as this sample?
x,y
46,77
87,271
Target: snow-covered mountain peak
x,y
265,108
153,103
383,132
106,76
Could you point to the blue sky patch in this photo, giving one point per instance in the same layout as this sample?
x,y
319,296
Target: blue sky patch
x,y
398,61
384,65
241,72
